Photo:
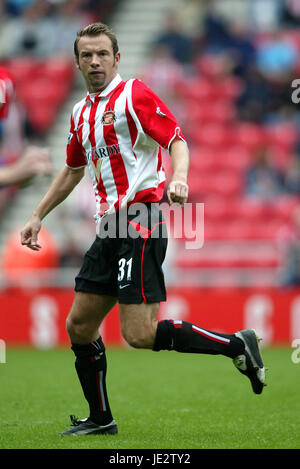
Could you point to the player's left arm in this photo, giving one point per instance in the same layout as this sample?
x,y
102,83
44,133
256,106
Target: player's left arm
x,y
159,123
178,187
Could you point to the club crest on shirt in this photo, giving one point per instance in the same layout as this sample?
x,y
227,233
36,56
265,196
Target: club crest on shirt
x,y
108,117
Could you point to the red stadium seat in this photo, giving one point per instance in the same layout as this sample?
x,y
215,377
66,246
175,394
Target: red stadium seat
x,y
59,69
216,209
252,210
228,184
201,160
228,255
42,117
197,89
236,157
218,112
23,69
213,135
229,88
286,207
250,135
208,65
284,136
224,183
43,91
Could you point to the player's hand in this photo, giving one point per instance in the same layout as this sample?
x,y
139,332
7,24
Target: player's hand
x,y
29,234
178,192
35,160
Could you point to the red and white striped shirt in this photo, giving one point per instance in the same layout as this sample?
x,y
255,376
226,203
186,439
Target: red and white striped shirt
x,y
119,133
6,92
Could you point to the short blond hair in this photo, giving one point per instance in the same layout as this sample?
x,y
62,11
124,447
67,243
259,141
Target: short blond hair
x,y
95,29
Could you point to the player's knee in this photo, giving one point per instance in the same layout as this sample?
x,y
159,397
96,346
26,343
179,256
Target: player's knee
x,y
77,329
72,326
138,338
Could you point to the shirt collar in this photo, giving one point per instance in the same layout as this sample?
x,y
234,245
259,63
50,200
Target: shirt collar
x,y
106,92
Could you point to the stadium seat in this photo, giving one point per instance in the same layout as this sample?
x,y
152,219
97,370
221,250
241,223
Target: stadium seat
x,y
235,157
219,112
22,69
212,135
41,117
197,89
286,207
224,183
43,90
252,210
249,135
59,69
216,209
229,88
224,254
284,136
42,86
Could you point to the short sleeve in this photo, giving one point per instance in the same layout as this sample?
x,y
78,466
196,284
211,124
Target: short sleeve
x,y
156,119
6,93
75,155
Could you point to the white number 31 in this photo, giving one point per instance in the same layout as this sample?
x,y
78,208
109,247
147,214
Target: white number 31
x,y
124,269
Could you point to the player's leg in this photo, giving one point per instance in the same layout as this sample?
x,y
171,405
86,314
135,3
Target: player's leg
x,y
86,315
242,347
141,329
139,321
186,337
139,324
141,287
95,296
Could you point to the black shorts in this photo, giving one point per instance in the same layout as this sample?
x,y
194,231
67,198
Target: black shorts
x,y
128,267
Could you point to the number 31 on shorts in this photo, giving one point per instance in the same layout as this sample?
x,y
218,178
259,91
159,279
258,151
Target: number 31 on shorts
x,y
124,269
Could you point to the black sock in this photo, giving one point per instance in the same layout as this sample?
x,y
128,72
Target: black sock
x,y
185,337
90,365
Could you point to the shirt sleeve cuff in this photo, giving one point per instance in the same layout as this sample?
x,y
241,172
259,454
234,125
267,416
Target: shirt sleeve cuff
x,y
177,135
77,167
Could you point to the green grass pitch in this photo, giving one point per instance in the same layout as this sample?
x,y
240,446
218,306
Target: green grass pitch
x,y
164,400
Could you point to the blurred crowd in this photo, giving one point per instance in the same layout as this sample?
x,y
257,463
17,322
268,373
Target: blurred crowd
x,y
255,42
46,27
36,38
259,44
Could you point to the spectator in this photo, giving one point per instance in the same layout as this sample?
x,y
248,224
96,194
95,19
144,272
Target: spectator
x,y
264,15
277,57
262,179
100,10
16,7
174,38
241,47
69,18
291,13
255,100
162,73
34,160
215,27
29,34
292,176
289,273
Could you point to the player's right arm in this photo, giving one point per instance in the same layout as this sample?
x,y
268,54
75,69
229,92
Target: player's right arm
x,y
59,190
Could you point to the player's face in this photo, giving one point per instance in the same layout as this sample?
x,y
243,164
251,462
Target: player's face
x,y
97,61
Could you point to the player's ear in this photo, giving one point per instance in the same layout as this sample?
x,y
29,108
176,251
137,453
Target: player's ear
x,y
76,62
117,59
